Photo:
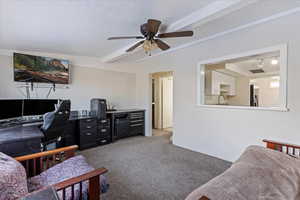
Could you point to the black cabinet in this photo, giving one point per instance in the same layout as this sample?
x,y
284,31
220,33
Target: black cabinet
x,y
87,133
127,123
94,131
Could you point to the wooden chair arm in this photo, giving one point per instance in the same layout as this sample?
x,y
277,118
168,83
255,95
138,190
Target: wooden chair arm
x,y
94,183
70,151
36,163
290,149
271,143
204,198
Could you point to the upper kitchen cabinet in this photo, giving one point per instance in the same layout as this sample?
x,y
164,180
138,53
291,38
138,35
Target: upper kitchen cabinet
x,y
217,83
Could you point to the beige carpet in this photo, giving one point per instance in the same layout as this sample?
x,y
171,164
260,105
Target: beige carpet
x,y
150,168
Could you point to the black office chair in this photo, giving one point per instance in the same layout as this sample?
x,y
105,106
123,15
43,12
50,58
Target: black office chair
x,y
54,124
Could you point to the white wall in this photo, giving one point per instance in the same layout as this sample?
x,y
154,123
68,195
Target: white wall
x,y
117,87
225,133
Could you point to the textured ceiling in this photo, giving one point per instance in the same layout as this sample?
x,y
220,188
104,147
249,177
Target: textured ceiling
x,y
81,27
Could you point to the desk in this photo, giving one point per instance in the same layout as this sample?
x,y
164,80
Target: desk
x,y
20,140
85,131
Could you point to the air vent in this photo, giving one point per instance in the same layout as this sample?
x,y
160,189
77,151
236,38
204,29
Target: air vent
x,y
257,71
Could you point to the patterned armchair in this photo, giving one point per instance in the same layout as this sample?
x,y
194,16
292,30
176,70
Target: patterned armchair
x,y
71,176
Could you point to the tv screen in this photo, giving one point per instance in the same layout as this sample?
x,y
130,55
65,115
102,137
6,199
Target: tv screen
x,y
10,108
38,106
29,68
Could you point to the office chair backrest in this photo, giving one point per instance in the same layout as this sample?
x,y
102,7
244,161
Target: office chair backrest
x,y
59,119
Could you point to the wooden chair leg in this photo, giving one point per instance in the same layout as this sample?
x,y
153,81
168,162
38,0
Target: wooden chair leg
x,y
94,188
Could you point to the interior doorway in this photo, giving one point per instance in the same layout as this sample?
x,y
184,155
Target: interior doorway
x,y
162,103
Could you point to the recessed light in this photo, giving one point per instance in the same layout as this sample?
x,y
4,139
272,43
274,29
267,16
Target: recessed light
x,y
274,62
274,84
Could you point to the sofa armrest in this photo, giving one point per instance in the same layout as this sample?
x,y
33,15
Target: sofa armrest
x,y
94,183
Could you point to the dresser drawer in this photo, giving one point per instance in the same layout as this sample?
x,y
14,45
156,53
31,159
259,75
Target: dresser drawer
x,y
104,121
88,127
136,121
137,129
88,133
87,124
136,115
87,138
104,140
103,132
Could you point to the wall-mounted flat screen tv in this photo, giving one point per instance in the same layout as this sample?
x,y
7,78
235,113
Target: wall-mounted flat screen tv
x,y
29,68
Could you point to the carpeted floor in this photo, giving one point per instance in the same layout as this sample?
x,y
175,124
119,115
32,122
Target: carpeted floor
x,y
150,168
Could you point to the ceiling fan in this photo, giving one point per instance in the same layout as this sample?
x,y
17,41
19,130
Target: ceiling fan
x,y
150,38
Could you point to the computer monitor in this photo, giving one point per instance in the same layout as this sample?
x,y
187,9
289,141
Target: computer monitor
x,y
38,106
10,108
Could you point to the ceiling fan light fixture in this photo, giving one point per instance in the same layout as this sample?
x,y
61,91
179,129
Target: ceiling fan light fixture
x,y
148,46
151,38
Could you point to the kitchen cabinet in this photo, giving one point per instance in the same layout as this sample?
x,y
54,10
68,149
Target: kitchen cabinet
x,y
217,83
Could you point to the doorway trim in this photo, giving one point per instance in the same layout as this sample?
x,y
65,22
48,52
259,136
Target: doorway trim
x,y
168,73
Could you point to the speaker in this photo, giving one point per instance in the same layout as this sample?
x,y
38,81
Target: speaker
x,y
98,107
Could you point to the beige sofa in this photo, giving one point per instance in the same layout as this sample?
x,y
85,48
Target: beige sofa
x,y
259,174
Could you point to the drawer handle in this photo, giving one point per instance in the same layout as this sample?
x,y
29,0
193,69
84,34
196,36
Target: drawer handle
x,y
103,121
136,117
88,127
137,121
103,130
88,120
133,125
103,141
88,134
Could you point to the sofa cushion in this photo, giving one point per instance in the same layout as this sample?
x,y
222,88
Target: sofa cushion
x,y
13,183
69,168
259,173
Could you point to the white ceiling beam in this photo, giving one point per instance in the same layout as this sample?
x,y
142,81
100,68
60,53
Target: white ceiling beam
x,y
212,11
118,54
221,34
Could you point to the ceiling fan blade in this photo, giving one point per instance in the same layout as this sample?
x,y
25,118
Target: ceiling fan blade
x,y
162,45
176,34
126,37
135,46
153,25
